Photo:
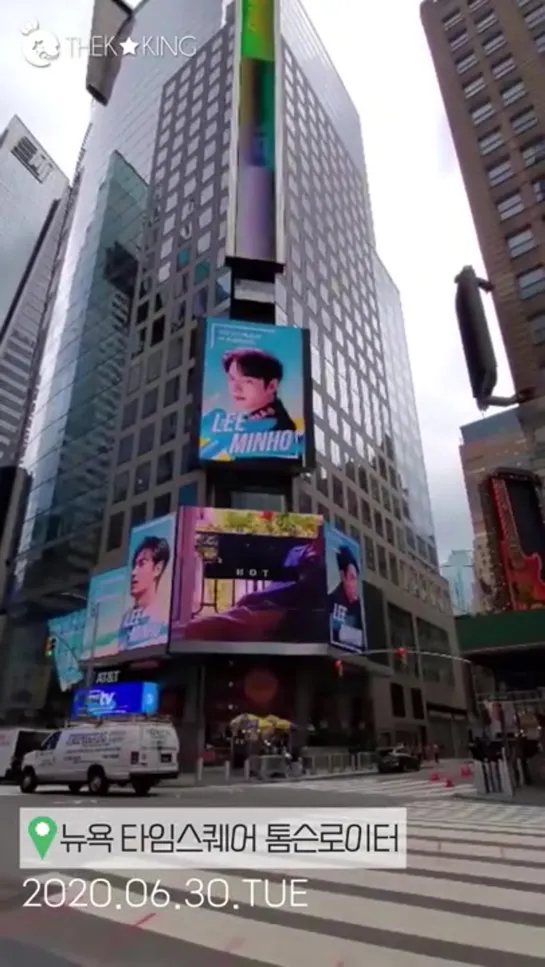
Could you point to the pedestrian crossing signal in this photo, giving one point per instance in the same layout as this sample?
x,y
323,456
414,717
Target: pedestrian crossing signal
x,y
50,646
401,654
339,668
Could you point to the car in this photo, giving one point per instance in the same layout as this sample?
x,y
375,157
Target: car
x,y
396,759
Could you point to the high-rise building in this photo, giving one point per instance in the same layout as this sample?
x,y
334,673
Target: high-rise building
x,y
458,572
33,198
331,285
497,441
488,57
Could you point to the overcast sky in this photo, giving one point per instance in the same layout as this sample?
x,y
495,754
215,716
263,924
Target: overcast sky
x,y
422,221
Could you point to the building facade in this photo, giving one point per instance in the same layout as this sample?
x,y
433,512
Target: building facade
x,y
331,286
497,441
458,572
488,56
33,198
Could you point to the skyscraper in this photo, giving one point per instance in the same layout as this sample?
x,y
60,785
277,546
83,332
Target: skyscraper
x,y
458,571
329,287
488,57
33,198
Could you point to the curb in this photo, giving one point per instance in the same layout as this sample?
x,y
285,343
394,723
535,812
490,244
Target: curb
x,y
172,784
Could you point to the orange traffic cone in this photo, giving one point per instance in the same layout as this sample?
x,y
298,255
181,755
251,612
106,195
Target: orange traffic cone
x,y
449,783
435,777
465,771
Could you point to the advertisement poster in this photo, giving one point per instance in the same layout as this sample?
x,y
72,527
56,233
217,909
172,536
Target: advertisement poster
x,y
249,576
253,399
344,591
68,631
104,610
129,608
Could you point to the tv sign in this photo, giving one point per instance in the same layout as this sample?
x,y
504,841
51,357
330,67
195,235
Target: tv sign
x,y
130,698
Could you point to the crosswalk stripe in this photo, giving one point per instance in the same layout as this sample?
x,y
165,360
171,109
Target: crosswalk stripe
x,y
491,915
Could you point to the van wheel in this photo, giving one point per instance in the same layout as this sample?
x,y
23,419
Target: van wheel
x,y
29,781
97,782
141,786
74,787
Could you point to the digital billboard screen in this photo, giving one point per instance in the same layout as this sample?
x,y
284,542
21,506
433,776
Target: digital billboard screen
x,y
255,394
254,194
131,698
67,632
516,534
249,576
344,591
129,608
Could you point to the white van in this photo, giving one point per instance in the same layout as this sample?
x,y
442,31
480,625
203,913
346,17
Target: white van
x,y
15,743
105,753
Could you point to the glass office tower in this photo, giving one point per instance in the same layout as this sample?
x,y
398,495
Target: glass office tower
x,y
33,196
329,286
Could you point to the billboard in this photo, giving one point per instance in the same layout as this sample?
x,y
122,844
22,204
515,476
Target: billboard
x,y
254,403
129,608
132,698
516,535
254,225
249,576
68,632
344,591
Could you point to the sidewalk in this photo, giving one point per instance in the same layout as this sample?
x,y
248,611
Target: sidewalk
x,y
527,796
215,775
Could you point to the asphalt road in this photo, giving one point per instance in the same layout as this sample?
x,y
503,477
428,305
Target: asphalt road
x,y
479,869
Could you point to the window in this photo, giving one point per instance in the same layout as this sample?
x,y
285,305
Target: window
x,y
142,478
485,22
531,283
129,414
537,328
115,532
121,487
165,468
534,152
452,20
539,189
535,16
145,439
168,427
500,172
510,206
521,242
149,405
466,63
458,41
475,4
522,122
490,142
513,92
494,43
482,113
540,43
124,452
474,86
503,67
161,506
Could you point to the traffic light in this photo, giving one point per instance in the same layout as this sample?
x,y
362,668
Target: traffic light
x,y
50,643
402,655
478,349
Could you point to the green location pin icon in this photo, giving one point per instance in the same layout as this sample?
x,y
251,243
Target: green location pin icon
x,y
42,832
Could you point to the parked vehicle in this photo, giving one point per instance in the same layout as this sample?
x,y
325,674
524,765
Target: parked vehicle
x,y
397,759
105,753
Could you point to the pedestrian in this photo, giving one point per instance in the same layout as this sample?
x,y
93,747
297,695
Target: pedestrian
x,y
436,753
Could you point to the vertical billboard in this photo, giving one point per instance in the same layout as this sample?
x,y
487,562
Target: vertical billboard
x,y
68,634
516,535
129,607
344,591
249,576
255,394
253,217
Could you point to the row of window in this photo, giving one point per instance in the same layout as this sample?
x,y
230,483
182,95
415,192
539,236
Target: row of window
x,y
483,23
